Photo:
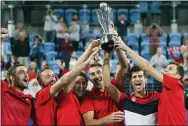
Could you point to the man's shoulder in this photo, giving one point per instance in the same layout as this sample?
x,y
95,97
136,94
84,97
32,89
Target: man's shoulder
x,y
89,95
43,91
154,95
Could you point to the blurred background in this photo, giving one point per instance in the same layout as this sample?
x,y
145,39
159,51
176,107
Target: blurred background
x,y
47,27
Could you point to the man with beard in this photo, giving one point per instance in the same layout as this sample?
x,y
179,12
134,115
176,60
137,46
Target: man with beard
x,y
97,107
47,99
141,104
16,106
171,108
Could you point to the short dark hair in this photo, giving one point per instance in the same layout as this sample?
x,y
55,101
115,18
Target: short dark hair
x,y
9,72
60,17
154,26
39,73
95,64
179,69
74,19
135,69
12,70
84,76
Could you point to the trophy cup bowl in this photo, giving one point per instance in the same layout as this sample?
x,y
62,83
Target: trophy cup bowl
x,y
105,17
107,43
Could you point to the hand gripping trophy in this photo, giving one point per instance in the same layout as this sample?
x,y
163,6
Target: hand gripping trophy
x,y
105,17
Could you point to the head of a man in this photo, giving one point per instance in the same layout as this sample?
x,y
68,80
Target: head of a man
x,y
159,51
75,16
95,75
46,77
61,19
22,36
80,85
33,66
19,77
73,21
154,26
37,40
174,70
49,11
122,17
9,76
138,79
20,26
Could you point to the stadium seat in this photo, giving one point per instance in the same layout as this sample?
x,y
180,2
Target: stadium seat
x,y
143,8
185,35
84,15
176,53
133,41
32,37
145,51
144,45
80,46
50,56
174,43
135,15
69,14
175,37
113,65
94,17
150,80
6,39
163,43
186,87
90,36
163,37
164,48
122,11
155,7
79,53
55,67
146,56
144,38
8,51
48,46
114,56
114,15
58,13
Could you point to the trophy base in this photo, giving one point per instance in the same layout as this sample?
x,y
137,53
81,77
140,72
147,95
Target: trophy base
x,y
108,43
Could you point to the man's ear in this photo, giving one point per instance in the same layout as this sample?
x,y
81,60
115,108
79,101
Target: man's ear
x,y
12,78
178,76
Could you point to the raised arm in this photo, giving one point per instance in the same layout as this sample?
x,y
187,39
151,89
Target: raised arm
x,y
112,90
91,48
148,30
141,62
121,68
160,30
66,81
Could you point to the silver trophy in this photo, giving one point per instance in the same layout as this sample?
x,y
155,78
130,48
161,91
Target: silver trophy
x,y
105,17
